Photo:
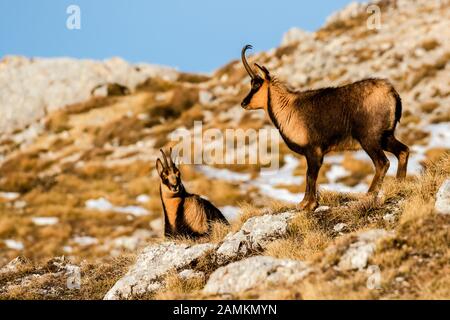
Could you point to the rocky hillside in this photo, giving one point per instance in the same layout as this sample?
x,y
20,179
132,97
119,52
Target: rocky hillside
x,y
79,139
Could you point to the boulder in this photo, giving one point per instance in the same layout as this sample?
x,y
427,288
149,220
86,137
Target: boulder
x,y
146,276
253,236
255,272
13,265
442,204
358,253
190,274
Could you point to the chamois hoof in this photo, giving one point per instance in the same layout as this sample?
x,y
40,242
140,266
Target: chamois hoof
x,y
308,205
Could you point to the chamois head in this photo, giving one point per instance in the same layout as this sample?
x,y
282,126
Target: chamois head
x,y
258,96
169,173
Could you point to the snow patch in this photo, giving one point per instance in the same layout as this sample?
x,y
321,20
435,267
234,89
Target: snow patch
x,y
13,244
142,198
85,240
102,204
230,212
9,195
44,221
223,174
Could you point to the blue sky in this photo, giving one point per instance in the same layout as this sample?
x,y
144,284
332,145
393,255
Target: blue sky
x,y
196,35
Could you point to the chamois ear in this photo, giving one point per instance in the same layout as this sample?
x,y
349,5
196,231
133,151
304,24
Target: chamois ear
x,y
159,167
263,72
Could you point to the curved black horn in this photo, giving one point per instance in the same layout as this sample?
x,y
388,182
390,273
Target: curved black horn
x,y
244,61
170,158
166,164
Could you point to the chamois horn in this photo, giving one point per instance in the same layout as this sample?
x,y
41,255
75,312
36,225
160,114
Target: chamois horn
x,y
166,164
170,158
244,61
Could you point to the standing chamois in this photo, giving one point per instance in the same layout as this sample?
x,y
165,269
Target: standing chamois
x,y
185,214
315,122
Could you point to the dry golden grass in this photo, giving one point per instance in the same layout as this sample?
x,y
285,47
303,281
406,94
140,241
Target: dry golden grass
x,y
440,117
429,106
359,170
218,232
46,282
177,286
417,253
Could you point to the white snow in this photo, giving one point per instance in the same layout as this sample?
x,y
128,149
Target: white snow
x,y
142,198
44,221
67,249
223,174
439,135
280,193
336,172
133,210
85,240
439,138
267,181
102,204
340,187
13,244
284,175
230,212
20,204
9,195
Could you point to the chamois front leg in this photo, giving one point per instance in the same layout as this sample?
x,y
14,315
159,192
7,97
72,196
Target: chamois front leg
x,y
314,161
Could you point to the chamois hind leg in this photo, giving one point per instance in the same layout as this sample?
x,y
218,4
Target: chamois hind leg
x,y
400,151
381,163
314,161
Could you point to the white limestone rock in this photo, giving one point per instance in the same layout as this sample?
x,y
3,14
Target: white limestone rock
x,y
442,204
358,253
253,236
254,272
147,275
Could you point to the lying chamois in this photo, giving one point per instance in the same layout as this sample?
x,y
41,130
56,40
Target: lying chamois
x,y
315,122
185,214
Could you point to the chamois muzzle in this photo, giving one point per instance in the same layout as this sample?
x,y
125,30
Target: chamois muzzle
x,y
245,102
250,71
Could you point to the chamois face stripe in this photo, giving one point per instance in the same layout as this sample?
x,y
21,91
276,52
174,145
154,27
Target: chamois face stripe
x,y
250,101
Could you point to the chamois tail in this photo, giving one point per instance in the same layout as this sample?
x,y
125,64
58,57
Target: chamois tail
x,y
398,107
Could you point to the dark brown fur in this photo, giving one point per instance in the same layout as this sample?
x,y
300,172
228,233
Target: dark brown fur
x,y
315,122
185,214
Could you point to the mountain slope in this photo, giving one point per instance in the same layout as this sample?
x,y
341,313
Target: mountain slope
x,y
80,138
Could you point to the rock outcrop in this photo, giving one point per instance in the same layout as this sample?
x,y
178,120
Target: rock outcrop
x,y
13,265
255,272
56,268
442,204
153,264
33,87
147,275
253,236
358,253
